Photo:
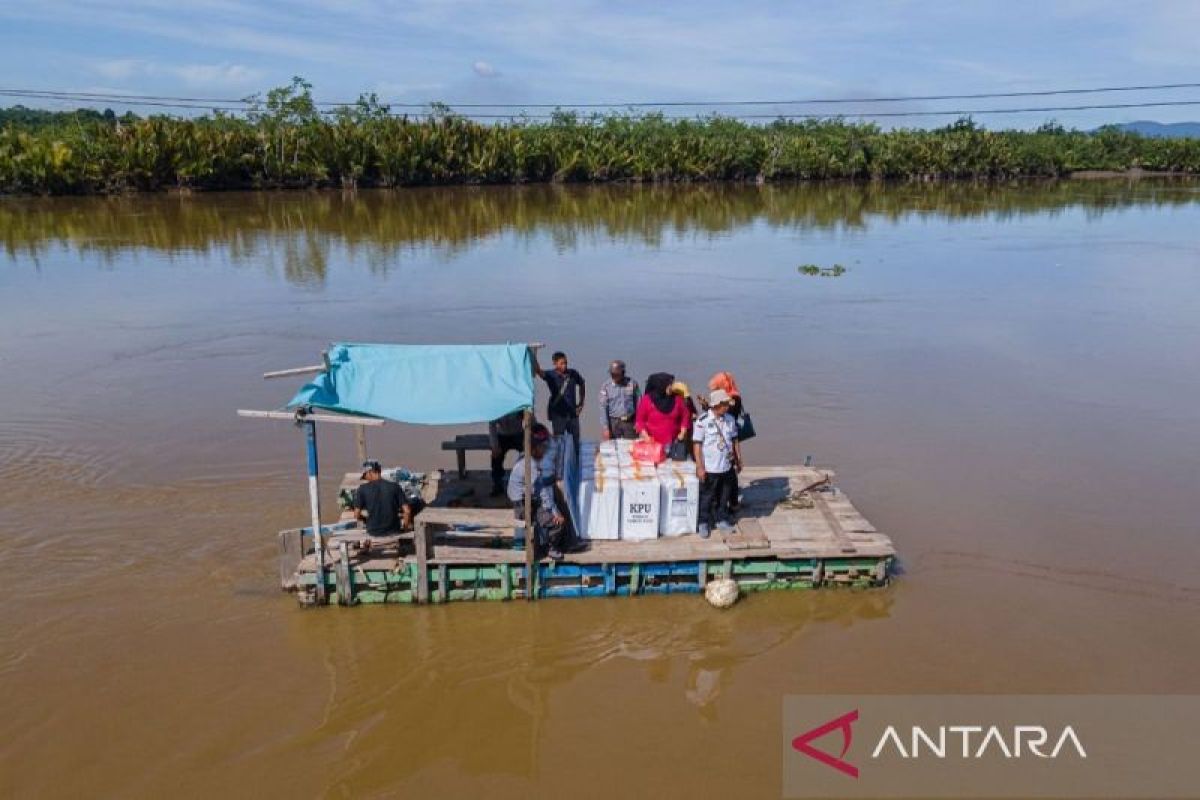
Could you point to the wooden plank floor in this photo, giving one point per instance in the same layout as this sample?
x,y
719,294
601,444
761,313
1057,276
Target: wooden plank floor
x,y
772,523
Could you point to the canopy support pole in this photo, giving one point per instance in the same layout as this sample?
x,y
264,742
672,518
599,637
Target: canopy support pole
x,y
314,505
287,373
530,527
360,439
291,416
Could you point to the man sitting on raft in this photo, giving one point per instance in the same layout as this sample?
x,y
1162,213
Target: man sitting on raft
x,y
382,504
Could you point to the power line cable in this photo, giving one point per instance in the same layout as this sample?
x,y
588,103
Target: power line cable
x,y
121,97
870,114
834,100
970,111
61,97
139,103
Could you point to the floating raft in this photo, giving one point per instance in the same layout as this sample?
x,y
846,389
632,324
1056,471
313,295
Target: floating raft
x,y
788,536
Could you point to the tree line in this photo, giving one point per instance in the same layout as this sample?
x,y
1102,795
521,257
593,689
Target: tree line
x,y
285,141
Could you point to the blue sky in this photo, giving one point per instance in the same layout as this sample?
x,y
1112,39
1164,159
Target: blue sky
x,y
579,51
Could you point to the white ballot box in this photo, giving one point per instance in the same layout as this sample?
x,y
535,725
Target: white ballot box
x,y
680,499
599,504
640,503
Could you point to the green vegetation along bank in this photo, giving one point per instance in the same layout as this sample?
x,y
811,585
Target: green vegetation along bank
x,y
284,141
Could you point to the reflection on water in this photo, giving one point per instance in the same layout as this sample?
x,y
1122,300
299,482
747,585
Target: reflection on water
x,y
1004,378
678,650
296,231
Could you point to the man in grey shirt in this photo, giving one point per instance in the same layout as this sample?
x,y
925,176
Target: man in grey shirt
x,y
618,403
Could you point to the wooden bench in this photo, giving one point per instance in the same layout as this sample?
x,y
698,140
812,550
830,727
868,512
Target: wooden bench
x,y
464,442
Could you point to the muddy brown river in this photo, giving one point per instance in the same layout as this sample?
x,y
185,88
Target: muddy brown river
x,y
1007,380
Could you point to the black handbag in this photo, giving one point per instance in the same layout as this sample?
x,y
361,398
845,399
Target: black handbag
x,y
746,428
678,450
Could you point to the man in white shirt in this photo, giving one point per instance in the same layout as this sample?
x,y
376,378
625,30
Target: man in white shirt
x,y
718,461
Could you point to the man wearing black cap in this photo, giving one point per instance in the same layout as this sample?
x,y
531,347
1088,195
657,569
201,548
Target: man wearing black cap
x,y
382,503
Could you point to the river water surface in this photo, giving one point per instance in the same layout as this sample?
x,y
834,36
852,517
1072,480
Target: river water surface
x,y
1005,378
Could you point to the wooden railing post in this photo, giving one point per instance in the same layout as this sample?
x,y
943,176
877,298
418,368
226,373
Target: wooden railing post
x,y
423,543
530,527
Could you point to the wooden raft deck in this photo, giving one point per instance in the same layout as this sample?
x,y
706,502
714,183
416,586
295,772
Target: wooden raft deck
x,y
463,549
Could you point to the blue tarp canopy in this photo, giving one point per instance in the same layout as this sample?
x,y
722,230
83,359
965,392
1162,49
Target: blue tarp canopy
x,y
423,384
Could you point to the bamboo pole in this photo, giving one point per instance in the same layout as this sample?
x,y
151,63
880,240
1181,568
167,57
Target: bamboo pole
x,y
323,367
287,373
530,528
291,416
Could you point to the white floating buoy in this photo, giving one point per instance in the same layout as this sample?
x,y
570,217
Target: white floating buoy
x,y
721,593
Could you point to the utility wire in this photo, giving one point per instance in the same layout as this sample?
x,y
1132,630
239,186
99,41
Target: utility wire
x,y
966,112
65,99
822,101
120,97
128,98
61,97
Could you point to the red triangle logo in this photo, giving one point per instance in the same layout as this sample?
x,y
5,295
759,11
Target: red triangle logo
x,y
803,743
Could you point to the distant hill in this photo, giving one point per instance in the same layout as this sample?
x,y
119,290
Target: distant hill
x,y
1161,130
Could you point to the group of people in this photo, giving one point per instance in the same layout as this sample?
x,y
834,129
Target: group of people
x,y
666,413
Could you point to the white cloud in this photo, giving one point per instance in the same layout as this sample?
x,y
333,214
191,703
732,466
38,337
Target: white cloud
x,y
484,70
198,75
216,74
406,92
118,69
